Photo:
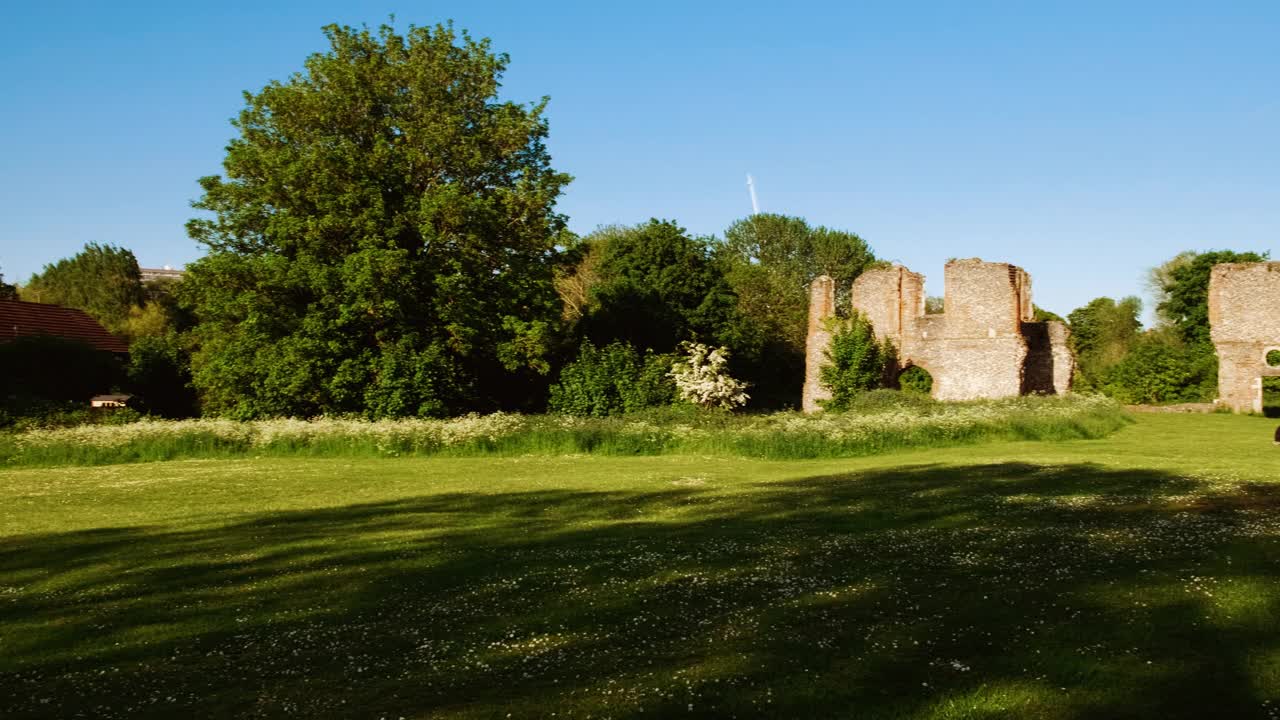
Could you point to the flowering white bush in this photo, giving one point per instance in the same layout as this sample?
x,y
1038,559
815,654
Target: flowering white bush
x,y
702,378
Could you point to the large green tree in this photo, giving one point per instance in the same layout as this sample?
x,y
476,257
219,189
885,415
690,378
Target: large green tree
x,y
384,238
1102,334
655,286
102,280
769,261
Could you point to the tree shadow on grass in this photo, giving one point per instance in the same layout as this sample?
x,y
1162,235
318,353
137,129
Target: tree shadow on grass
x,y
977,591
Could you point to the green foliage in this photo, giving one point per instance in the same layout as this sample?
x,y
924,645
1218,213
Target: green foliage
x,y
159,375
857,362
917,380
880,421
1273,358
611,380
1102,334
769,261
40,375
102,280
7,291
384,239
657,287
1042,315
1161,368
1182,286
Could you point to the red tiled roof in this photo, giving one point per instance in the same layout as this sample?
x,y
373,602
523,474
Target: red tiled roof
x,y
19,319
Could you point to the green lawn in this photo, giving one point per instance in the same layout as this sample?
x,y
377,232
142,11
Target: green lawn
x,y
1134,576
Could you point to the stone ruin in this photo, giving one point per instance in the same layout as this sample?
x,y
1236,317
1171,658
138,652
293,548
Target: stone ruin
x,y
985,344
1244,317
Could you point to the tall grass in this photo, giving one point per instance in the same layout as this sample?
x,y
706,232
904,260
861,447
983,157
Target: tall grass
x,y
879,422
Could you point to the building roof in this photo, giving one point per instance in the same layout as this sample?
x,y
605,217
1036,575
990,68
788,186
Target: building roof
x,y
21,319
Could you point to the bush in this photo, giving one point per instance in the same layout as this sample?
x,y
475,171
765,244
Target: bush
x,y
611,380
702,378
41,371
857,362
1161,369
917,380
159,375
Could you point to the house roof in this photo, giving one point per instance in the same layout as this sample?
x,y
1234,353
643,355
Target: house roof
x,y
21,319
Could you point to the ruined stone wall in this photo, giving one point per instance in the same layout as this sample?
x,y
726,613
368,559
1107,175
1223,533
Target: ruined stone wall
x,y
822,305
986,343
1244,317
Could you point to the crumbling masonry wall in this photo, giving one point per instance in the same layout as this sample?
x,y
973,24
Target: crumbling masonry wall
x,y
1244,317
986,344
822,305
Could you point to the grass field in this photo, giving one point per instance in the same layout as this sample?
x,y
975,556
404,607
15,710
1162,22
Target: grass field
x,y
1132,576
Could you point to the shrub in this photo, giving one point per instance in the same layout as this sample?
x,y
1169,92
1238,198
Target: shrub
x,y
1161,369
38,371
857,361
917,380
611,380
159,375
702,378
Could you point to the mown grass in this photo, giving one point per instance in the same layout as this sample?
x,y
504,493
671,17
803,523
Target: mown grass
x,y
1132,576
882,422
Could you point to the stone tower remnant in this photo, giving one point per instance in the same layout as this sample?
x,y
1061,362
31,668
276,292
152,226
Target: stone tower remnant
x,y
985,344
1244,321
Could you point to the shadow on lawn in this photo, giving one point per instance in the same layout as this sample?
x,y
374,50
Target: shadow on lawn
x,y
996,590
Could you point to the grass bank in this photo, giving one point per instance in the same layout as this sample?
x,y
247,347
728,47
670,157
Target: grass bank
x,y
1132,576
882,422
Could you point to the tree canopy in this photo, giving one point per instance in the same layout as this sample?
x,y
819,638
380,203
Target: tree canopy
x,y
7,291
102,280
770,260
384,238
1103,332
1181,286
655,287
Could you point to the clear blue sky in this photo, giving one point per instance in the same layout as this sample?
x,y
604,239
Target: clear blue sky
x,y
1085,141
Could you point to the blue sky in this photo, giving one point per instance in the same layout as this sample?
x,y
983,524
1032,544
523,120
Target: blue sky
x,y
1085,141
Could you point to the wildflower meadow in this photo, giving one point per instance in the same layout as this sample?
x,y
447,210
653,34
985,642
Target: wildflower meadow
x,y
885,421
1132,574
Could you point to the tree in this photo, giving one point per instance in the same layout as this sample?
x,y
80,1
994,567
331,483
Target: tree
x,y
1102,334
656,287
102,280
856,361
159,374
769,262
384,238
7,291
1162,368
1181,286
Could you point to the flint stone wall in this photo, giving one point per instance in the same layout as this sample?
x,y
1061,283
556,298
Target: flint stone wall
x,y
1244,320
822,305
986,344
